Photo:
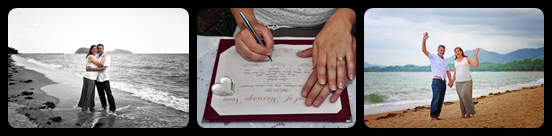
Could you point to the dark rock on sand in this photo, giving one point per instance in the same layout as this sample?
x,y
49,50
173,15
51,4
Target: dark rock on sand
x,y
27,93
388,116
420,108
97,125
28,97
28,81
56,119
50,105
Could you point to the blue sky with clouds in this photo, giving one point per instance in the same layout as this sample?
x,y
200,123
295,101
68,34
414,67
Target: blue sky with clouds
x,y
394,36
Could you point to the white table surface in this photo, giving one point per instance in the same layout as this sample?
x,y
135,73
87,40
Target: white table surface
x,y
206,54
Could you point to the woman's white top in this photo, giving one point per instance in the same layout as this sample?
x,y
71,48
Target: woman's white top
x,y
276,18
92,75
462,70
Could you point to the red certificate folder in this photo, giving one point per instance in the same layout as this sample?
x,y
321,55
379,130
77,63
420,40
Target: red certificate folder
x,y
211,115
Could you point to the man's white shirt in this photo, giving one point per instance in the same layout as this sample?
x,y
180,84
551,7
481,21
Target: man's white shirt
x,y
103,75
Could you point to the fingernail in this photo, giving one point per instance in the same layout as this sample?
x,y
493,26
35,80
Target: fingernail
x,y
322,81
267,58
316,103
340,85
307,102
351,76
333,88
269,53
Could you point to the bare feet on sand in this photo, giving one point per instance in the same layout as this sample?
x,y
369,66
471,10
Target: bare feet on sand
x,y
466,116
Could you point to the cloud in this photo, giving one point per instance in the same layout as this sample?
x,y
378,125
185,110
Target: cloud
x,y
399,31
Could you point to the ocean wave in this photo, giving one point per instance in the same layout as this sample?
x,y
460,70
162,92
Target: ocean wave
x,y
156,96
396,103
51,66
540,81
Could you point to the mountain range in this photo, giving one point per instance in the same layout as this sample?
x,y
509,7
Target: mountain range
x,y
367,65
490,56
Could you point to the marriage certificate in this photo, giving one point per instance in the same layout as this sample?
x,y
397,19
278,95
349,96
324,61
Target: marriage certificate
x,y
265,87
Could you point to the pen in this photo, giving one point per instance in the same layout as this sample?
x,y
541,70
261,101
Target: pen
x,y
250,27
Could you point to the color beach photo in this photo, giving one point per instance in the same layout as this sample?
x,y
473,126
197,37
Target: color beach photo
x,y
137,74
495,59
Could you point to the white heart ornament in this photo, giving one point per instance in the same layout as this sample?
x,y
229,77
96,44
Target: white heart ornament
x,y
223,88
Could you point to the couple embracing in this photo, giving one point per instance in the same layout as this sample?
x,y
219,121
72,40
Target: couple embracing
x,y
96,75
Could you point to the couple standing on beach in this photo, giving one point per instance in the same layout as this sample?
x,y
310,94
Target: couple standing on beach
x,y
96,75
462,77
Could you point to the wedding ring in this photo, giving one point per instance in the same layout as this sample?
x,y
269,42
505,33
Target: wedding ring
x,y
340,58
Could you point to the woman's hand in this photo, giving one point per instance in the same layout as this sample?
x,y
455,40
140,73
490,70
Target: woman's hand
x,y
245,41
316,93
248,47
333,56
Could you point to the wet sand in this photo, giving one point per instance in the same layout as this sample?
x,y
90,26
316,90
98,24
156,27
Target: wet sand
x,y
47,99
523,108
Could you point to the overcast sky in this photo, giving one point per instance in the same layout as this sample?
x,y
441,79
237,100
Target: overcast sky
x,y
64,30
394,36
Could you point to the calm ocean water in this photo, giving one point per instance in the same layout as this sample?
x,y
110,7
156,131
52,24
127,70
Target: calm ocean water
x,y
391,91
158,78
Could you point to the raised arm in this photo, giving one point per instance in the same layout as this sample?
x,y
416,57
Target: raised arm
x,y
476,61
424,50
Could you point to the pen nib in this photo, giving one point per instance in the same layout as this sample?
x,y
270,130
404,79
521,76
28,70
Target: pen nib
x,y
270,58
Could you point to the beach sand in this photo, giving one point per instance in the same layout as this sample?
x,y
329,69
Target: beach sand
x,y
523,108
47,99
